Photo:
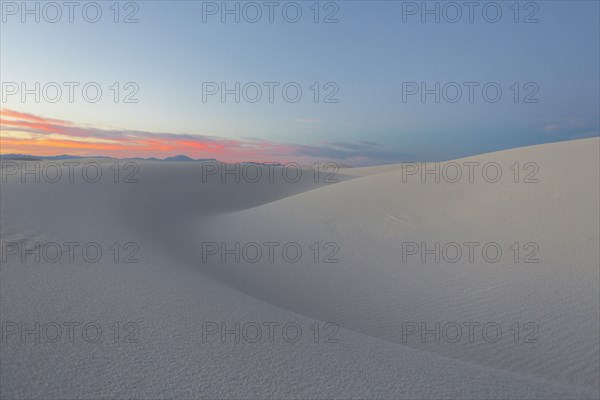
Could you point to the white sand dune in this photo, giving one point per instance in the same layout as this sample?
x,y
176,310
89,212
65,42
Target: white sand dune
x,y
371,293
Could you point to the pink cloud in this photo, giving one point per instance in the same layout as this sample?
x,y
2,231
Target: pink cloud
x,y
31,134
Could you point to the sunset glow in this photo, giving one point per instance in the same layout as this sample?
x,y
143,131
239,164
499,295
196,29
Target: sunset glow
x,y
24,133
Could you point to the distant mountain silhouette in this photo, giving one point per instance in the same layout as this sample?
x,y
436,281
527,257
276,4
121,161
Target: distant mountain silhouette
x,y
177,158
20,157
180,157
28,157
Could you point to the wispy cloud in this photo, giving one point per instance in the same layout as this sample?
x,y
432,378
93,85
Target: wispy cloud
x,y
33,134
570,128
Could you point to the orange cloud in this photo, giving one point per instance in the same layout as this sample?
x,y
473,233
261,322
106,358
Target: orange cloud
x,y
31,134
27,133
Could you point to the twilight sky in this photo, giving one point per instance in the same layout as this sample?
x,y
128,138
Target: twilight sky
x,y
369,68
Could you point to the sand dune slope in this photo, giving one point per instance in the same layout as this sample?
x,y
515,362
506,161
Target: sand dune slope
x,y
371,293
372,290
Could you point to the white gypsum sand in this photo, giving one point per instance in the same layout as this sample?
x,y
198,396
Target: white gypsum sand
x,y
370,293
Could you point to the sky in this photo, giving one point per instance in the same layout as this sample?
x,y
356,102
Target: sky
x,y
161,78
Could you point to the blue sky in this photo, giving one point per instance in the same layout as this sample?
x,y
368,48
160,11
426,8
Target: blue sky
x,y
368,55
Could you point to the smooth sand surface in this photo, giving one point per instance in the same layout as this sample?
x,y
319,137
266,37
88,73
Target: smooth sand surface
x,y
371,293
